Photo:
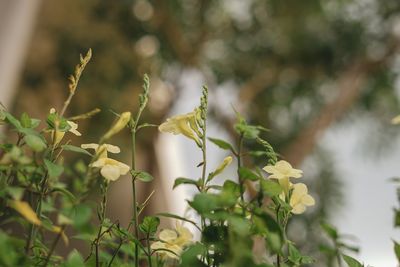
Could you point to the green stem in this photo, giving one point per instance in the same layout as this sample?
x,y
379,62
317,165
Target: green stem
x,y
149,251
239,161
135,214
53,246
103,215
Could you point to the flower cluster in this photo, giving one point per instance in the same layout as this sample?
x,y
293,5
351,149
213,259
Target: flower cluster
x,y
172,242
186,124
110,169
296,194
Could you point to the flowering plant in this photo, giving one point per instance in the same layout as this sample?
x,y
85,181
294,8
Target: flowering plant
x,y
42,198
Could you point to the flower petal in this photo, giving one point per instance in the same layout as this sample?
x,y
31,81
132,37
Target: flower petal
x,y
112,149
168,235
298,209
90,146
308,200
110,172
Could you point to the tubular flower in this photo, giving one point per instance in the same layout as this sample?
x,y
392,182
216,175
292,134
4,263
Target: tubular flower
x,y
174,241
222,166
119,125
110,169
26,211
182,124
282,171
396,120
300,198
57,136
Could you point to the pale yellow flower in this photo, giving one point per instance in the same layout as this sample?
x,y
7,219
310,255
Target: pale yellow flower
x,y
26,211
110,169
396,120
300,198
119,125
282,171
182,124
173,240
57,136
221,167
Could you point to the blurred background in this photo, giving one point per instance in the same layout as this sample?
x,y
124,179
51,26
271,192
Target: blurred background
x,y
322,75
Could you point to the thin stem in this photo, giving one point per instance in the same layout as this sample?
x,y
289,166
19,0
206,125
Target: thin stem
x,y
239,161
135,213
103,215
149,251
53,246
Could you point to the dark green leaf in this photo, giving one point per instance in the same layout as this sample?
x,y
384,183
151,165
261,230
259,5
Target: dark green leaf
x,y
247,174
204,203
330,230
397,250
183,180
142,176
351,262
76,149
64,192
170,215
190,257
149,225
270,188
221,143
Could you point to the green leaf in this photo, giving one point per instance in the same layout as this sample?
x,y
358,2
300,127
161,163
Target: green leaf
x,y
221,143
25,120
15,192
76,149
63,125
397,250
190,257
294,254
35,142
65,192
81,215
351,262
330,230
183,180
54,170
247,174
270,188
204,203
170,215
74,260
248,131
142,176
149,225
34,123
396,218
11,119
